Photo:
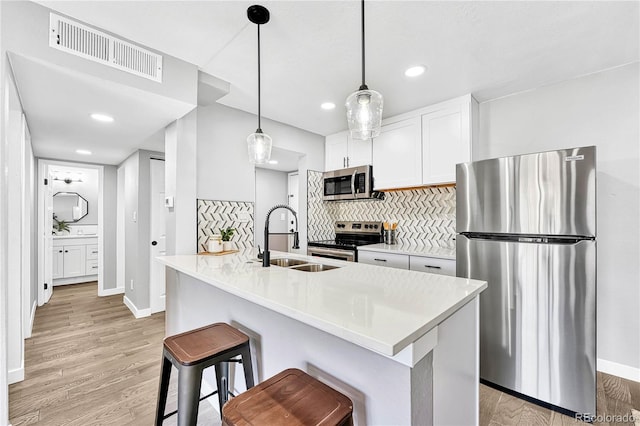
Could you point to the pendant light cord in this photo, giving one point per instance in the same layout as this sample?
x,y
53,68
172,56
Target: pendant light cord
x,y
362,7
259,126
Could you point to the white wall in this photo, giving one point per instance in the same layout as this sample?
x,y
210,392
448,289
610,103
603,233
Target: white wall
x,y
601,109
109,216
271,189
13,124
223,168
137,214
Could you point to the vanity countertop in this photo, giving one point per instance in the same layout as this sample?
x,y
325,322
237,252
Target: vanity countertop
x,y
67,237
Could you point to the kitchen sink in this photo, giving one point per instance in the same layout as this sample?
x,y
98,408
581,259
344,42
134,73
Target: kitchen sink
x,y
286,262
314,267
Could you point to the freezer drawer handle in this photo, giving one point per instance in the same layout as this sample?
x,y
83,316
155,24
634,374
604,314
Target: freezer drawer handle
x,y
380,260
432,267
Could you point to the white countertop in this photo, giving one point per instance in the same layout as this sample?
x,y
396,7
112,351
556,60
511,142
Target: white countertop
x,y
378,308
66,237
412,250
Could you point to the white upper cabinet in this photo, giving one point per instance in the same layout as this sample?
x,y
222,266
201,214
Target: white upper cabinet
x,y
341,151
422,147
446,141
397,155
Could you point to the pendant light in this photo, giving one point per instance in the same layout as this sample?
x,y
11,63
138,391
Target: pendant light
x,y
364,107
258,143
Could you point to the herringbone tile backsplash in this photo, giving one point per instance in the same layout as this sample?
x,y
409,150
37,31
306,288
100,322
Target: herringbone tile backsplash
x,y
425,216
214,214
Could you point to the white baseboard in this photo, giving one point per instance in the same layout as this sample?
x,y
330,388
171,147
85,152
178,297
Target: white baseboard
x,y
75,280
33,316
620,370
110,291
138,313
15,376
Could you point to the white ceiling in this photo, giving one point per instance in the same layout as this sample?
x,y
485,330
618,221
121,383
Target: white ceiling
x,y
311,51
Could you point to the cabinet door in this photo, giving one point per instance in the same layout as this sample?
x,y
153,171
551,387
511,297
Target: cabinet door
x,y
391,260
397,155
58,262
74,261
432,265
359,152
446,142
335,151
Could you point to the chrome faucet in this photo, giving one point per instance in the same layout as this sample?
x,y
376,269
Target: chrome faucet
x,y
266,257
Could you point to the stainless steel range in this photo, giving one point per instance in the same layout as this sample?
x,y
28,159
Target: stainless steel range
x,y
349,235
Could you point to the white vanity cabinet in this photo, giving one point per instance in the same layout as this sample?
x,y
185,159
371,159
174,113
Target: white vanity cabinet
x,y
75,259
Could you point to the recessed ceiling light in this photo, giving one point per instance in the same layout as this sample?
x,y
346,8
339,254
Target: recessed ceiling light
x,y
273,161
328,106
102,117
83,152
415,71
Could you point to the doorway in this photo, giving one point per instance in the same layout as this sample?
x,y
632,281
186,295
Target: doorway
x,y
70,226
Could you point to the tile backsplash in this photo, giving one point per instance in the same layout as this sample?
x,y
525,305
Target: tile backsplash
x,y
425,216
215,214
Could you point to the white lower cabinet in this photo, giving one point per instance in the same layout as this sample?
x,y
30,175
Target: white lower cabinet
x,y
433,265
391,260
75,260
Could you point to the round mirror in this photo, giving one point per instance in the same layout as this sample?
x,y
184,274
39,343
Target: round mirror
x,y
69,206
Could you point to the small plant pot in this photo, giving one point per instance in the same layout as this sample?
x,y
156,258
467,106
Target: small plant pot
x,y
228,245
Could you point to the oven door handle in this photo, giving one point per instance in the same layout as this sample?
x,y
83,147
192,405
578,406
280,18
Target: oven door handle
x,y
343,253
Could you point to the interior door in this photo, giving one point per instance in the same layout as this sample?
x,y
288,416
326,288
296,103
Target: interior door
x,y
157,285
48,236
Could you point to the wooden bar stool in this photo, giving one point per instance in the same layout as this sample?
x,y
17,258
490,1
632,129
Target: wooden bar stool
x,y
193,351
289,398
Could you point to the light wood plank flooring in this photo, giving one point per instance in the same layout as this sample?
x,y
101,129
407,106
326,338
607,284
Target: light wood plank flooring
x,y
615,397
90,362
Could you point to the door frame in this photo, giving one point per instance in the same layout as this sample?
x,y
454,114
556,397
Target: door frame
x,y
43,171
154,306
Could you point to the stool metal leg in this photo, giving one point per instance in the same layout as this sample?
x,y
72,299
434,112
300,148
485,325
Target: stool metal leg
x,y
163,389
222,378
189,382
248,366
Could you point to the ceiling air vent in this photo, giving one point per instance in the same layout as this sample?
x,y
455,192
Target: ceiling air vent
x,y
80,40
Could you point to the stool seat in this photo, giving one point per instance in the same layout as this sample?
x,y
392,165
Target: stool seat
x,y
196,346
191,352
290,398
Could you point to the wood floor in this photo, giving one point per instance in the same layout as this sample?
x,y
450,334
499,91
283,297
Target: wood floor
x,y
90,362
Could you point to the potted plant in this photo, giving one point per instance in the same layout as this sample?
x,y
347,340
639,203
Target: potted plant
x,y
59,225
226,234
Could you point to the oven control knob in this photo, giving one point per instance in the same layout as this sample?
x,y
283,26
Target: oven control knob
x,y
375,226
366,227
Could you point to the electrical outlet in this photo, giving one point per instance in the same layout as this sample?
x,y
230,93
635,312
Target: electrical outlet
x,y
131,285
135,216
244,217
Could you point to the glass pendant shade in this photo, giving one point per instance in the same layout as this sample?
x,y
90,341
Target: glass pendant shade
x,y
364,113
259,145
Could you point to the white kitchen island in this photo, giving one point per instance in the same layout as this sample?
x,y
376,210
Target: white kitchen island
x,y
403,345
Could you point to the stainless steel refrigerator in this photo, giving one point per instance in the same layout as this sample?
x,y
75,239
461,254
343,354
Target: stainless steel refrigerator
x,y
527,225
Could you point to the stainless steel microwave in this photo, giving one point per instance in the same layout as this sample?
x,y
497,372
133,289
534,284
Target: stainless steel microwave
x,y
348,184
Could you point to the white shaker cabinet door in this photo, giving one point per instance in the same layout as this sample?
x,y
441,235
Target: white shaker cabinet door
x,y
359,152
446,142
74,261
336,151
397,155
57,264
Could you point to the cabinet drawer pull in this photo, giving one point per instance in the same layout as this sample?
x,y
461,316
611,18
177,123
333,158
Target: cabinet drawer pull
x,y
432,267
94,267
60,251
94,252
380,260
66,251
